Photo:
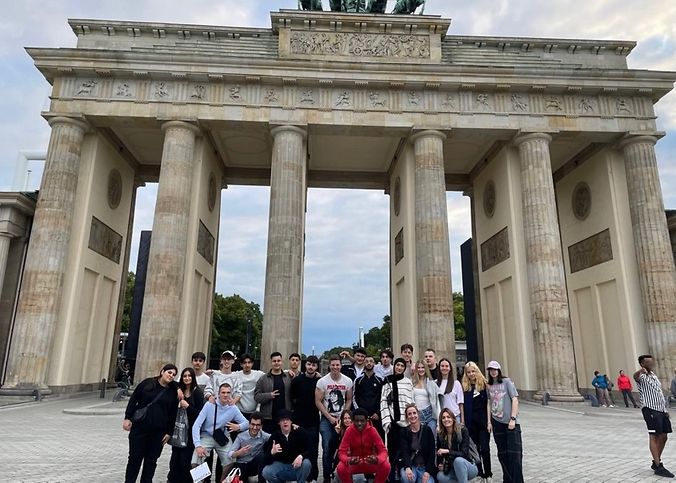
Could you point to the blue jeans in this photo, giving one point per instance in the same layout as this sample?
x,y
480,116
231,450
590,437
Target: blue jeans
x,y
427,417
329,436
461,472
417,475
278,472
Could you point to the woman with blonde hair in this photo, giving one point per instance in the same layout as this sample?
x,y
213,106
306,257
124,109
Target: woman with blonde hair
x,y
477,416
454,460
425,395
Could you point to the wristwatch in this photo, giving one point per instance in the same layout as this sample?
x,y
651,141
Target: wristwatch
x,y
512,418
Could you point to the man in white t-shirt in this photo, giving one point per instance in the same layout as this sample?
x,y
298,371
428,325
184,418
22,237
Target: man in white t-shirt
x,y
248,378
198,360
222,376
332,395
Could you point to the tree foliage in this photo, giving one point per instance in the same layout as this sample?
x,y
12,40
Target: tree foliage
x,y
128,296
379,338
230,320
459,316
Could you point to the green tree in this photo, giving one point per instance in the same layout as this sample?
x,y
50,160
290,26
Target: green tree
x,y
379,338
230,320
459,316
335,350
128,295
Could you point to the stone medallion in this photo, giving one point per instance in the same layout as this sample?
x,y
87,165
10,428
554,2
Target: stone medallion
x,y
397,196
489,199
211,194
114,188
582,200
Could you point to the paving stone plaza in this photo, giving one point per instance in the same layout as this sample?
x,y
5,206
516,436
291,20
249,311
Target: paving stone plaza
x,y
40,443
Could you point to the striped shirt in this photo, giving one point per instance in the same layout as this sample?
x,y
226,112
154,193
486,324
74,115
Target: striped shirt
x,y
650,392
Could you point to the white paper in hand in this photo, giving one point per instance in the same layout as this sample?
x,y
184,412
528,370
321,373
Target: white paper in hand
x,y
200,472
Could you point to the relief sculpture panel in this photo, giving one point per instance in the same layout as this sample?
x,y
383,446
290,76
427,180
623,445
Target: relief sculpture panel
x,y
104,240
495,250
591,251
360,45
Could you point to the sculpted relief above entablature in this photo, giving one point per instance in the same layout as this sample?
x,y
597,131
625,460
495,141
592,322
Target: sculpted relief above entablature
x,y
328,95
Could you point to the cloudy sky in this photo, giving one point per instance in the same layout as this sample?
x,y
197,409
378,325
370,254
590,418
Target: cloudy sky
x,y
346,276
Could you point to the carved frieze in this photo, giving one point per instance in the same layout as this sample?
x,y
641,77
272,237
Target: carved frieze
x,y
591,251
104,240
205,243
360,45
399,246
495,250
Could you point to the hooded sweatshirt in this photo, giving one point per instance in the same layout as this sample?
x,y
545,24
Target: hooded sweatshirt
x,y
362,444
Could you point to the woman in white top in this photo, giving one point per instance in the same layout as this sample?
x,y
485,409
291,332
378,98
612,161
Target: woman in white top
x,y
425,395
450,388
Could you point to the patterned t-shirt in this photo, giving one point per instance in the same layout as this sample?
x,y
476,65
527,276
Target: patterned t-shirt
x,y
335,393
501,400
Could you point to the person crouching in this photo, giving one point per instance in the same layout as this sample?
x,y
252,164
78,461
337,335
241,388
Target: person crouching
x,y
362,451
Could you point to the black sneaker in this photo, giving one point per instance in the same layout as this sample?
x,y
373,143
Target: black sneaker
x,y
662,471
653,466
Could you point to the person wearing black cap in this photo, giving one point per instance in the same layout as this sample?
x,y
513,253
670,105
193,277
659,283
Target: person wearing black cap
x,y
287,452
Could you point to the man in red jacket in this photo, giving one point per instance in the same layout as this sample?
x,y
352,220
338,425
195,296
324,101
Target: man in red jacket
x,y
362,451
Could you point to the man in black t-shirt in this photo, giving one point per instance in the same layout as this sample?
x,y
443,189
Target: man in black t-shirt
x,y
305,412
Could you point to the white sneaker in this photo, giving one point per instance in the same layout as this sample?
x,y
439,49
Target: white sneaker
x,y
611,406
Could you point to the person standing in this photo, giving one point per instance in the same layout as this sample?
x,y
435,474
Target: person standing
x,y
600,382
654,411
505,423
224,376
248,377
159,396
417,450
362,450
286,452
451,389
384,367
333,394
397,393
192,403
431,360
673,385
453,455
624,385
305,412
294,365
273,392
407,355
198,360
354,370
367,390
425,395
477,416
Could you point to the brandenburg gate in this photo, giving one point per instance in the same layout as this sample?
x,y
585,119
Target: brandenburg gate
x,y
553,140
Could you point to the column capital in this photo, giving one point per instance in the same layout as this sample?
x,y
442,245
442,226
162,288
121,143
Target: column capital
x,y
522,138
427,133
182,124
630,139
79,122
289,128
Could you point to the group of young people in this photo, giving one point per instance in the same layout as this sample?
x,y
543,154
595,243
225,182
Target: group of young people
x,y
399,419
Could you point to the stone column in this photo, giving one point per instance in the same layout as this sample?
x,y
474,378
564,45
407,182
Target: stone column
x,y
550,314
433,258
286,238
653,251
166,262
41,290
5,240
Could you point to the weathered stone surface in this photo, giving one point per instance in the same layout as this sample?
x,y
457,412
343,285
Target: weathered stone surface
x,y
433,260
591,251
550,315
168,247
284,270
653,251
41,291
495,250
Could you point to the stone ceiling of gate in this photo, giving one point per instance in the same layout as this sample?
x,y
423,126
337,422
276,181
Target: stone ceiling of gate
x,y
360,84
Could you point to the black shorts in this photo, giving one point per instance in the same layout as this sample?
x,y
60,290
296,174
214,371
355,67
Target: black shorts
x,y
657,422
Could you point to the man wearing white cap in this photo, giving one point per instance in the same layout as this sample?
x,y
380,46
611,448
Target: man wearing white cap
x,y
224,375
504,400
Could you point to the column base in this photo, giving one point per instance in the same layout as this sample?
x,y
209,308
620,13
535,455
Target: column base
x,y
560,397
25,390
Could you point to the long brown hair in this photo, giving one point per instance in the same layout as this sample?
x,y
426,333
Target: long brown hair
x,y
457,428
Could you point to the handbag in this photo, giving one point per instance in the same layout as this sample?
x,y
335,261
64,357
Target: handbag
x,y
233,476
141,413
179,439
219,435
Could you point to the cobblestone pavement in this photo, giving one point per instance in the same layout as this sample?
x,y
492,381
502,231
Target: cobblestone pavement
x,y
40,443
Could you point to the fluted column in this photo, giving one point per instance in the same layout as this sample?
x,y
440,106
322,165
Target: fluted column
x,y
653,251
168,247
550,314
282,306
433,258
5,240
41,289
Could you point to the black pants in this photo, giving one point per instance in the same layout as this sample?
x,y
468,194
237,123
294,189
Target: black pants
x,y
252,468
481,438
510,452
179,464
313,441
145,447
393,437
625,393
